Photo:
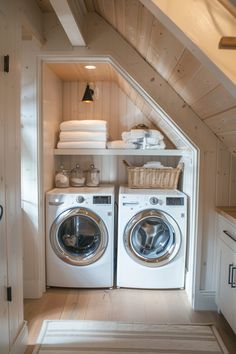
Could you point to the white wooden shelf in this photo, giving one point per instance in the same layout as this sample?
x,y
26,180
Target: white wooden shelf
x,y
120,152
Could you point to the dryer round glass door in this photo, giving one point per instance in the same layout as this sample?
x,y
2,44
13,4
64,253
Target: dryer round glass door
x,y
78,236
152,238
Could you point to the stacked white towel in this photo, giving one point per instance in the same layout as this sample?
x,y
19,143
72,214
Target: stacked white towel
x,y
155,164
82,134
144,138
120,144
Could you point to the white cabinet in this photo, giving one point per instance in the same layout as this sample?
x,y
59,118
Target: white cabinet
x,y
226,290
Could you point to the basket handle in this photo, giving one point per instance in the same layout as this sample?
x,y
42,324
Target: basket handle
x,y
180,166
127,164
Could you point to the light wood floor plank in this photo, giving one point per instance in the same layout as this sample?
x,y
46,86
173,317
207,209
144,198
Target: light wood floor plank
x,y
128,305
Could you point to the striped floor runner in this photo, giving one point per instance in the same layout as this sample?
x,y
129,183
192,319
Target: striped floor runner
x,y
96,337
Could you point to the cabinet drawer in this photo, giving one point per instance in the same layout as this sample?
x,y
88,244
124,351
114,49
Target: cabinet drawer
x,y
227,232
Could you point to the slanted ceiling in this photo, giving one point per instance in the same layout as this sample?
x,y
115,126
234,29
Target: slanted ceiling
x,y
200,89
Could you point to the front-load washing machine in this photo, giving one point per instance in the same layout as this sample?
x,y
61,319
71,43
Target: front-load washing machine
x,y
80,237
151,247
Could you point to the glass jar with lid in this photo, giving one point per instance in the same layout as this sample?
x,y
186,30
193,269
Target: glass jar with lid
x,y
92,176
77,178
62,179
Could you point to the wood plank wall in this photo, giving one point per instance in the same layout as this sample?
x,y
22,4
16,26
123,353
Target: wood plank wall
x,y
194,82
110,104
113,105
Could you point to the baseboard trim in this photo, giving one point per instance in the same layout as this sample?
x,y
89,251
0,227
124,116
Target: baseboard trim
x,y
205,301
21,341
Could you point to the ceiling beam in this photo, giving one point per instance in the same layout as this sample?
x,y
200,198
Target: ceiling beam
x,y
68,22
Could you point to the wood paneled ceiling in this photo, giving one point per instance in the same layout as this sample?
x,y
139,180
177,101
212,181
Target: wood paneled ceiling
x,y
78,72
200,89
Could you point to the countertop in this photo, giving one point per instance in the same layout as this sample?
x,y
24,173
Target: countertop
x,y
228,212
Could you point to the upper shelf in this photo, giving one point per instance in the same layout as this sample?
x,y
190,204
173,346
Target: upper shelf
x,y
120,152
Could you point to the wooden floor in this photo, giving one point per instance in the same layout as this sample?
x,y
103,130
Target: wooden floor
x,y
129,305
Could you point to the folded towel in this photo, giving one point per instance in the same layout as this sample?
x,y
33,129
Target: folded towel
x,y
153,164
84,125
153,141
153,133
120,144
160,146
81,145
82,136
133,136
136,135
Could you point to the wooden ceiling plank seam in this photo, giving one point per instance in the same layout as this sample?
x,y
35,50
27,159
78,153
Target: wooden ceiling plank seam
x,y
109,11
98,7
214,102
164,51
229,6
90,5
200,84
144,29
229,139
120,16
131,24
223,122
184,71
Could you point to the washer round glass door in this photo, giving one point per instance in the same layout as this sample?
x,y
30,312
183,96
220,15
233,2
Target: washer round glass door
x,y
79,236
152,238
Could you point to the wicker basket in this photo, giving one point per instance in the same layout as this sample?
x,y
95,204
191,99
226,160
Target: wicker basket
x,y
160,178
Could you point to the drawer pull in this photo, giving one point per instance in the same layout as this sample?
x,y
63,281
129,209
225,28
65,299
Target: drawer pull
x,y
229,274
1,212
231,281
230,235
233,284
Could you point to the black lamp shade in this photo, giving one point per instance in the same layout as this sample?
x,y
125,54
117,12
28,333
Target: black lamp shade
x,y
88,94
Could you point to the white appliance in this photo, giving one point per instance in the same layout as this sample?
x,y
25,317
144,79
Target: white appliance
x,y
151,247
80,237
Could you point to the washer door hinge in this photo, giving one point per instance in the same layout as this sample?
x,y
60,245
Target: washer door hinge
x,y
9,293
6,63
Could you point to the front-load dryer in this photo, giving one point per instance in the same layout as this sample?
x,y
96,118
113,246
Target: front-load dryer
x,y
151,247
80,237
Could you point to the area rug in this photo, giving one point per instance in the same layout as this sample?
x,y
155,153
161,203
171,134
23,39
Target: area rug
x,y
96,337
